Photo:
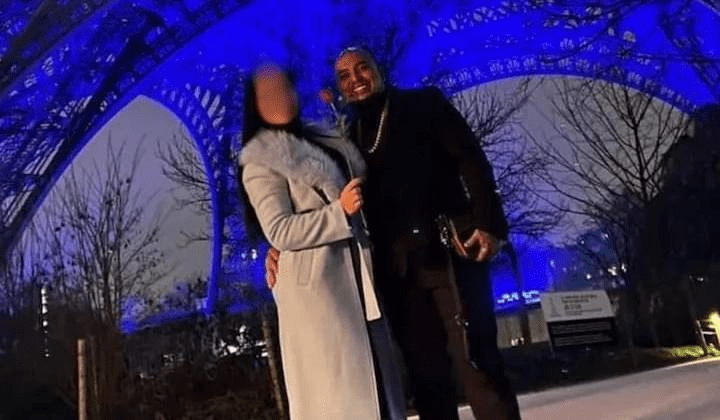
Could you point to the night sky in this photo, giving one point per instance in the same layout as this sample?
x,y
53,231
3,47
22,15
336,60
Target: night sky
x,y
145,123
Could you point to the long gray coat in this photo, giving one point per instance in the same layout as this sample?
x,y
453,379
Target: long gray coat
x,y
294,188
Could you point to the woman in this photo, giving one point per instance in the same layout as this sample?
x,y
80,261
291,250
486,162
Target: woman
x,y
297,183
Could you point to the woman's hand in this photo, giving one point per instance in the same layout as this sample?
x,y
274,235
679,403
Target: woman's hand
x,y
351,197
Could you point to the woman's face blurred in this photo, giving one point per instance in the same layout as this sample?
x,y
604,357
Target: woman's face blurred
x,y
276,99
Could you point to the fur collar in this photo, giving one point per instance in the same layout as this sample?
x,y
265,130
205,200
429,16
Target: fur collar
x,y
297,159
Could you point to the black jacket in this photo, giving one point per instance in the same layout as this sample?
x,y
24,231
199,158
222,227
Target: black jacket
x,y
429,163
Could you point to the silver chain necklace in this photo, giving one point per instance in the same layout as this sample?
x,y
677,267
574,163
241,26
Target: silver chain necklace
x,y
378,136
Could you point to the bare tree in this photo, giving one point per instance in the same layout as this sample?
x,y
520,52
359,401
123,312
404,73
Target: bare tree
x,y
91,248
182,165
20,302
493,115
682,218
15,279
101,253
607,150
106,236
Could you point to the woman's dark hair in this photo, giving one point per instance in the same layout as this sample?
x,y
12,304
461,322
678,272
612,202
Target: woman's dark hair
x,y
251,118
252,123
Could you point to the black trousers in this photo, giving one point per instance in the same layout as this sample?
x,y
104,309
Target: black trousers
x,y
479,306
421,306
421,336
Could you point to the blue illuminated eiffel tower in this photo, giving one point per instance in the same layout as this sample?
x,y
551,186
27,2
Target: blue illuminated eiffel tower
x,y
66,67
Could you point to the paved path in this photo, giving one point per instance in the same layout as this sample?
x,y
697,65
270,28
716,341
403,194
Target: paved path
x,y
685,392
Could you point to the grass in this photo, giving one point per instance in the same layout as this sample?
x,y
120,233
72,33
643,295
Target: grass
x,y
692,352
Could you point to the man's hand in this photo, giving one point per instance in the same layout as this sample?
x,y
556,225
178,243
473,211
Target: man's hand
x,y
480,246
271,267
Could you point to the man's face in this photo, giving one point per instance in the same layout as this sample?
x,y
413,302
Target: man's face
x,y
356,78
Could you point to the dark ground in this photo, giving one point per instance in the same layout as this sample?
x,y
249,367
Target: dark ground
x,y
535,368
530,369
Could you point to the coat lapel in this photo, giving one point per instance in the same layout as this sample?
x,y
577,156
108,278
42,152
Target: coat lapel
x,y
353,157
300,160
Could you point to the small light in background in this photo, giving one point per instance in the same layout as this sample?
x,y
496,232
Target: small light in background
x,y
714,319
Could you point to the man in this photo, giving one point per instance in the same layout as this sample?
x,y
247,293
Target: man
x,y
423,162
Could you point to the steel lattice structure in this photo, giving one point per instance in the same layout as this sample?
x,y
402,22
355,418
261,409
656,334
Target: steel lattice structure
x,y
68,66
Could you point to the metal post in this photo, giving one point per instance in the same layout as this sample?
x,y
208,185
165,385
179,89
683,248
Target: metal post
x,y
693,314
82,380
273,361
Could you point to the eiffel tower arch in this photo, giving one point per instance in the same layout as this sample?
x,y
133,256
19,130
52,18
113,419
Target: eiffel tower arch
x,y
67,67
667,49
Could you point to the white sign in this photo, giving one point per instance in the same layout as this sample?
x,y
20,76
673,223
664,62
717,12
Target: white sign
x,y
571,306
